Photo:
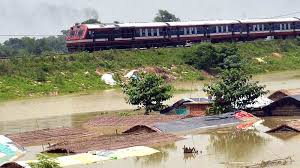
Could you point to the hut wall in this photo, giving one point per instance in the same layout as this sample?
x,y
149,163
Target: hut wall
x,y
286,110
197,109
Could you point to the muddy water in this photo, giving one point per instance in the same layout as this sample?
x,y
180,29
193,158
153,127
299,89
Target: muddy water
x,y
113,100
221,148
30,114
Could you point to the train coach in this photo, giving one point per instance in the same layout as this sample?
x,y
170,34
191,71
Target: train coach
x,y
93,37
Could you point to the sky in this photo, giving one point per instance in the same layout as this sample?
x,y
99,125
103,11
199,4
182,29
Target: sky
x,y
52,16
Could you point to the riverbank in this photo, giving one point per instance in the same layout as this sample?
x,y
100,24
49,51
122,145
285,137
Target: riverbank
x,y
76,73
113,100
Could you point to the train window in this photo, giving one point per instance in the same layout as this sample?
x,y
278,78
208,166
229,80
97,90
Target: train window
x,y
194,30
266,27
297,25
137,33
152,32
173,31
289,26
212,29
80,33
181,31
143,32
147,32
126,33
72,33
89,34
236,28
277,26
200,30
161,32
117,34
254,28
100,35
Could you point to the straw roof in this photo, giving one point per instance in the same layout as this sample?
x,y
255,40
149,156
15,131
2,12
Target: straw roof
x,y
284,92
293,126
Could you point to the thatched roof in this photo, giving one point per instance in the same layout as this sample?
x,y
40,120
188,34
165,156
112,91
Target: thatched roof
x,y
293,126
109,142
11,165
288,100
45,136
284,92
142,129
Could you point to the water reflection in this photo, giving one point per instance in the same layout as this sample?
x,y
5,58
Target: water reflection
x,y
235,145
157,158
189,156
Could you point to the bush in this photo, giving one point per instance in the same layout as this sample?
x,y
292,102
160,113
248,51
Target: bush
x,y
44,162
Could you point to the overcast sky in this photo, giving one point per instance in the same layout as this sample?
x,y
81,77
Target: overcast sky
x,y
51,16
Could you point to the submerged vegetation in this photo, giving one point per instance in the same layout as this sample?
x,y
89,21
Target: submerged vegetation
x,y
148,91
59,74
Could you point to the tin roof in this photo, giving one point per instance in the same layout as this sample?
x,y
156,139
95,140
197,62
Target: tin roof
x,y
190,23
269,20
151,24
99,26
195,23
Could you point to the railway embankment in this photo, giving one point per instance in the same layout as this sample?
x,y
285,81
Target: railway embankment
x,y
32,76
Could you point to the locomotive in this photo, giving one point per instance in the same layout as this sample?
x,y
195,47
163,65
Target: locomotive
x,y
93,37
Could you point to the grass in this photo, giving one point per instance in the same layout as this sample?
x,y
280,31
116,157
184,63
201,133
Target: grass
x,y
73,73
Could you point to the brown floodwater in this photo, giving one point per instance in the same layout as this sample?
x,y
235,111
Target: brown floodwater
x,y
222,148
113,100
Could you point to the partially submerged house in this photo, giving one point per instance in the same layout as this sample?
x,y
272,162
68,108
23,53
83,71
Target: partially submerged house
x,y
287,106
238,119
189,106
293,126
257,107
283,93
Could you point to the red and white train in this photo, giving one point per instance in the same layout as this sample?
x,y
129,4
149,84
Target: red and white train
x,y
92,37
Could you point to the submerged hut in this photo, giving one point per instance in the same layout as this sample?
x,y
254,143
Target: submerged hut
x,y
287,106
189,107
293,126
283,93
11,165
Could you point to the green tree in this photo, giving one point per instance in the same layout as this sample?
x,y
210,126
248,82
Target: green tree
x,y
44,162
148,91
215,58
233,90
165,16
91,21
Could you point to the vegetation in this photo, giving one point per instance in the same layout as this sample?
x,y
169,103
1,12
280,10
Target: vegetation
x,y
165,16
214,58
91,21
148,91
44,162
25,46
232,90
51,74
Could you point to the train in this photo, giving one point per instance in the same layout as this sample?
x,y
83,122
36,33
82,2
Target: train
x,y
94,37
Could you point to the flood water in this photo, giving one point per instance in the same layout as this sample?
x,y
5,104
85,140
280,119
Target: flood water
x,y
113,100
222,148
